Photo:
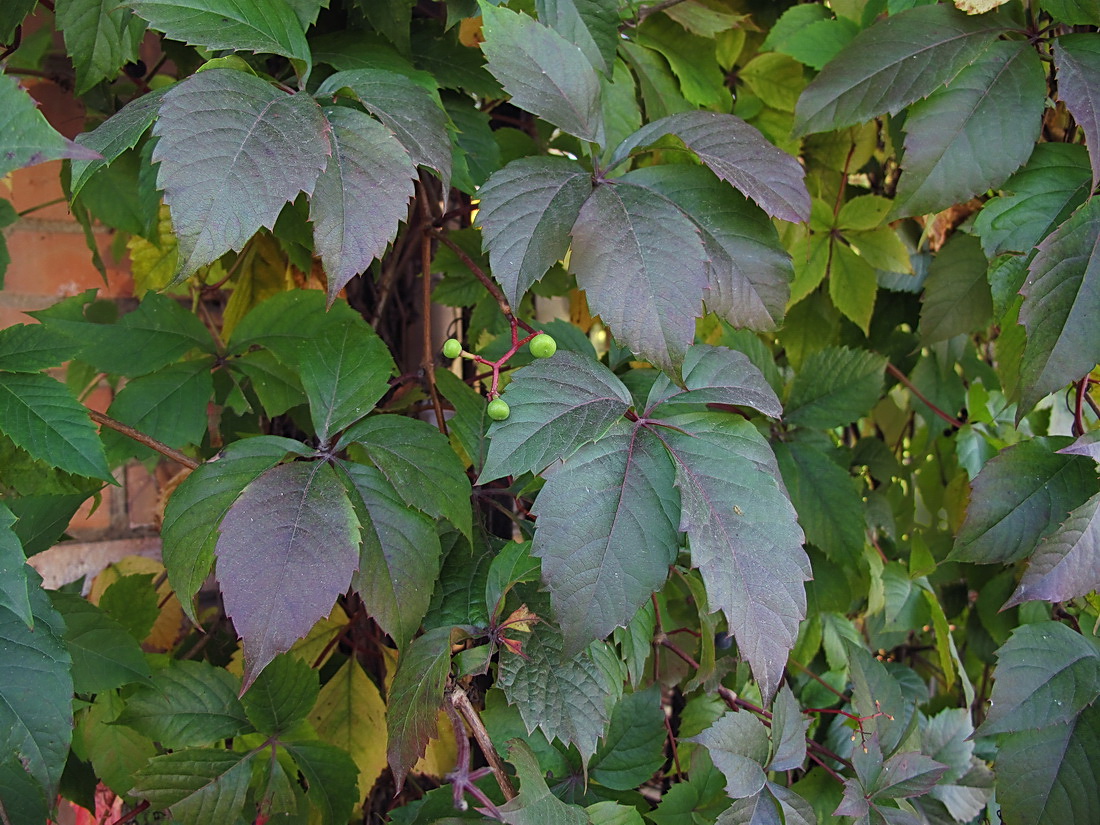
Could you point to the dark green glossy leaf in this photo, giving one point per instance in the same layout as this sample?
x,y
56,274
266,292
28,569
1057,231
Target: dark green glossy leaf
x,y
11,17
114,136
1020,495
1066,564
512,565
1077,58
282,695
557,404
527,209
100,37
956,296
287,548
40,415
893,63
535,805
544,73
287,322
221,133
199,786
27,138
197,506
104,654
1061,305
276,385
185,704
633,749
14,592
399,557
974,133
643,265
22,798
414,699
330,774
607,532
834,387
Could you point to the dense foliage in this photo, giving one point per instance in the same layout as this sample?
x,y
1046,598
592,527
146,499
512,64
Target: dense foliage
x,y
793,518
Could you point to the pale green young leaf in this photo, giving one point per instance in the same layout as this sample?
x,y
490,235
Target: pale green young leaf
x,y
853,285
691,57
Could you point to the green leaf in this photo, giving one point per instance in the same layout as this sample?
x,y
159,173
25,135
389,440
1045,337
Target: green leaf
x,y
660,90
738,154
27,138
331,776
1040,772
1053,183
469,423
738,746
36,692
286,322
116,752
692,59
1046,675
282,695
633,749
414,699
413,113
788,732
22,798
288,547
132,601
40,415
774,78
185,704
877,697
819,42
974,133
197,506
607,532
1061,304
399,556
512,565
1065,565
1077,59
557,405
715,375
199,785
420,464
104,654
345,369
835,386
853,285
749,272
1019,496
567,697
361,196
158,333
114,136
14,587
956,296
643,265
535,805
829,504
11,17
276,385
743,535
592,24
211,156
613,813
893,63
262,26
544,73
100,37
527,209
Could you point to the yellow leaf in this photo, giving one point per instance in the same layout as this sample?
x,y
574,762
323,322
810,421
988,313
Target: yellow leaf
x,y
168,627
978,6
319,639
153,264
263,273
442,752
351,715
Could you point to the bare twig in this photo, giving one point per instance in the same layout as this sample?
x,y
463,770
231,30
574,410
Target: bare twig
x,y
142,438
904,379
428,355
461,702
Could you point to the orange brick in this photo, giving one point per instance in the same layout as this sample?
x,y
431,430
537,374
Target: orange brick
x,y
85,521
11,315
100,398
64,112
51,259
37,185
142,496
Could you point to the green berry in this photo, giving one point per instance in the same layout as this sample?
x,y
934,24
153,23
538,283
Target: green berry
x,y
498,409
452,348
543,345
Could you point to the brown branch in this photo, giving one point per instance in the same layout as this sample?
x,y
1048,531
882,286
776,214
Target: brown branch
x,y
904,379
462,704
142,438
428,355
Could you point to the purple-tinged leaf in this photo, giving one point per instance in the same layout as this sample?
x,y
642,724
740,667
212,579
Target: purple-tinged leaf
x,y
607,532
114,136
908,774
420,464
197,785
1077,60
877,696
643,265
233,151
527,209
743,535
854,802
973,134
738,154
27,139
1061,306
568,697
716,375
262,26
399,557
345,369
543,72
361,196
557,404
749,271
893,63
738,747
1088,444
788,733
1046,675
1066,564
197,506
1020,495
412,112
414,699
288,547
